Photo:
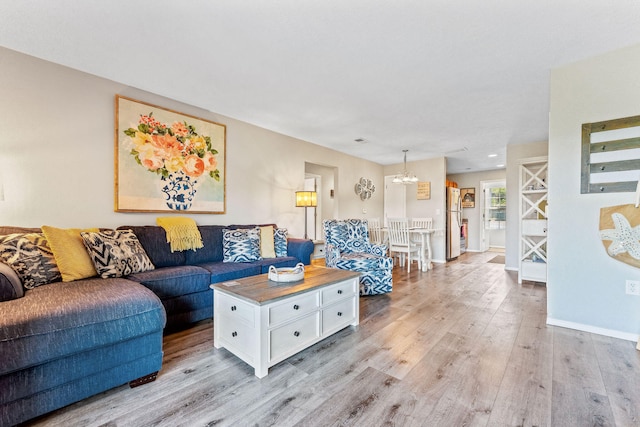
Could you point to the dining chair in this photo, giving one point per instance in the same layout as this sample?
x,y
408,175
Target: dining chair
x,y
375,231
400,241
420,223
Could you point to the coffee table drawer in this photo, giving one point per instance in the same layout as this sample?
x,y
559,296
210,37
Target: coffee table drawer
x,y
292,337
235,308
338,292
338,315
238,337
293,307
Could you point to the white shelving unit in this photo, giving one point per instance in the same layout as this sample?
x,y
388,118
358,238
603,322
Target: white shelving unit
x,y
533,220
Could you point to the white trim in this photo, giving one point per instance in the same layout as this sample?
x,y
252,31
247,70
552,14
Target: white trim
x,y
593,329
512,269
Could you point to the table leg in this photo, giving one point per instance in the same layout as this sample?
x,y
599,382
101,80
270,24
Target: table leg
x,y
423,258
429,254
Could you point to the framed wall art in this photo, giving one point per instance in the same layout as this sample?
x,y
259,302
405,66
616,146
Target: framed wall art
x,y
468,197
166,161
424,190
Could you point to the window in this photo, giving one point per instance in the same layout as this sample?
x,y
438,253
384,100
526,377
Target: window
x,y
496,208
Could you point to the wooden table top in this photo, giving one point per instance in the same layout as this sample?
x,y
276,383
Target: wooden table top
x,y
260,290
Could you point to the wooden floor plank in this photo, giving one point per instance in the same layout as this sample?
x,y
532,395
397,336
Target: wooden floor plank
x,y
620,368
461,344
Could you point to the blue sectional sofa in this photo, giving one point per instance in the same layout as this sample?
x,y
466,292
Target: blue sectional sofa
x,y
65,341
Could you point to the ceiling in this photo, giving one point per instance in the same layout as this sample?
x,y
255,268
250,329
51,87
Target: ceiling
x,y
454,78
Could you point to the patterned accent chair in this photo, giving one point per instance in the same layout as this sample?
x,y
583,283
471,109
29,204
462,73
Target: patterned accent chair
x,y
347,247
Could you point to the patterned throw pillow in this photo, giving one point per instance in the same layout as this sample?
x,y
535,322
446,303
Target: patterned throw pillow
x,y
116,253
241,245
30,256
280,239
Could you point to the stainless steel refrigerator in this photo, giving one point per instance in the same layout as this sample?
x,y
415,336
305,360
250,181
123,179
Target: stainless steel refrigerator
x,y
454,221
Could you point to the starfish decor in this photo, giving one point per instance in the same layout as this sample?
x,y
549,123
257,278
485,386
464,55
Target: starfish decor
x,y
624,238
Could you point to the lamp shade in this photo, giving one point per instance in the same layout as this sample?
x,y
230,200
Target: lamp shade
x,y
306,199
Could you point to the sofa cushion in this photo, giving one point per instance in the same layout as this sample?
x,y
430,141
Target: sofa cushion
x,y
276,262
116,253
212,250
10,284
30,257
362,261
68,249
221,271
173,281
241,245
50,322
154,241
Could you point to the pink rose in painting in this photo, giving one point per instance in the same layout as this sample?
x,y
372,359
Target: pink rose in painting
x,y
210,162
152,163
193,166
179,129
168,143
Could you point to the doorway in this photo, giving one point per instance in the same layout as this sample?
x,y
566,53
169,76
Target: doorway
x,y
493,205
324,180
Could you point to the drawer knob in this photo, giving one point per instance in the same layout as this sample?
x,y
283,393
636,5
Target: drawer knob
x,y
296,334
233,308
339,313
296,307
339,291
234,334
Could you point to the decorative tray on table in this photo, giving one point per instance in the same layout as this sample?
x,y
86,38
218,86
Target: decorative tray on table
x,y
286,274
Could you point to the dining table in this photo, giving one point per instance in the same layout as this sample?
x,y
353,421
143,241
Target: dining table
x,y
425,244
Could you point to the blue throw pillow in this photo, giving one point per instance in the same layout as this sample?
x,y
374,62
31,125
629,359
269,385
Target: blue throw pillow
x,y
241,245
280,242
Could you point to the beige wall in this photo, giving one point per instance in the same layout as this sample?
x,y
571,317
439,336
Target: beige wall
x,y
57,156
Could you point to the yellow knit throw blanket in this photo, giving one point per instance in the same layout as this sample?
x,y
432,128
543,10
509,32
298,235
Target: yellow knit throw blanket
x,y
182,233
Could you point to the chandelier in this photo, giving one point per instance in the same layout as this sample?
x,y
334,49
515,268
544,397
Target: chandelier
x,y
405,177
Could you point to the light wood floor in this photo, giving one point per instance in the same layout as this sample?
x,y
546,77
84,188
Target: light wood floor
x,y
461,345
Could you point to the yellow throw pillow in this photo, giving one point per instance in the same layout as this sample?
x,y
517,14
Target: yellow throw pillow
x,y
267,247
70,253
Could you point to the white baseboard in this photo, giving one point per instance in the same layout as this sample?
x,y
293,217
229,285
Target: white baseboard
x,y
593,329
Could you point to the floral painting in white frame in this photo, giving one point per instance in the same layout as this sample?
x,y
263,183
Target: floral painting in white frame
x,y
166,161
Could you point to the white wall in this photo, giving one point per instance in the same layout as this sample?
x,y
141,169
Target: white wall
x,y
474,215
57,156
586,288
515,153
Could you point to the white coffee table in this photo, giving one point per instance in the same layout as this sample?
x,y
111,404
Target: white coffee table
x,y
264,322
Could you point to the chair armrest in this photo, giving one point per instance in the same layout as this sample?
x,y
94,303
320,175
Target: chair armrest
x,y
380,250
331,255
301,249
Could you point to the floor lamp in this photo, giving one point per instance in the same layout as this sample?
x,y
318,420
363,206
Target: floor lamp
x,y
306,199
